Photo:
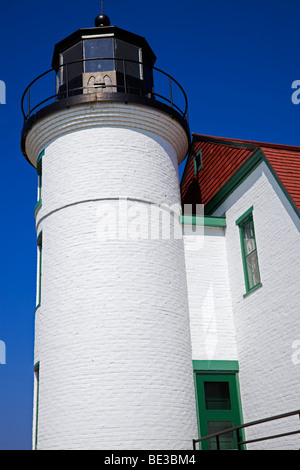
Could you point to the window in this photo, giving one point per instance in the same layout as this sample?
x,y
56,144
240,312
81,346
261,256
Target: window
x,y
218,405
198,162
36,400
39,271
98,48
39,172
71,55
249,251
128,52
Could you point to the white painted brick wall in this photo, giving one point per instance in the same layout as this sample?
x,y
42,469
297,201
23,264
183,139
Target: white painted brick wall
x,y
112,332
210,307
267,321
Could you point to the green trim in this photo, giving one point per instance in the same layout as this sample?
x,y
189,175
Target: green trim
x,y
241,221
39,172
255,159
40,244
37,207
239,399
39,167
253,289
244,259
197,404
37,372
40,238
235,181
215,371
40,157
198,167
39,163
213,140
285,192
216,366
206,221
239,176
243,217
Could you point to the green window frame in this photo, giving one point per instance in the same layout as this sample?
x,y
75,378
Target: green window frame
x,y
252,276
39,169
218,402
37,392
198,162
39,274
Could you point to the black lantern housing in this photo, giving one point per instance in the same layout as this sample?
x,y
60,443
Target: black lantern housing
x,y
102,64
103,59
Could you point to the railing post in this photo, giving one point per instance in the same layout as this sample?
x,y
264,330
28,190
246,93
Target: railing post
x,y
124,72
67,82
56,82
238,438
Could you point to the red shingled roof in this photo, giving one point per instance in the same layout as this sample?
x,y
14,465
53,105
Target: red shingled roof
x,y
222,157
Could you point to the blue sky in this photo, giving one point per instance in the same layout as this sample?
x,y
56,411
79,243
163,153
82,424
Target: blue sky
x,y
236,61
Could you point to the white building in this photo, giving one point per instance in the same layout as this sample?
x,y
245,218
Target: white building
x,y
243,283
147,339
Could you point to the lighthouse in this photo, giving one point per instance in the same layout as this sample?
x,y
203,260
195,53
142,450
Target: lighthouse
x,y
113,360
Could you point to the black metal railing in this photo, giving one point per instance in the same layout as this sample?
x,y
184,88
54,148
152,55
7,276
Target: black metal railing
x,y
237,430
63,85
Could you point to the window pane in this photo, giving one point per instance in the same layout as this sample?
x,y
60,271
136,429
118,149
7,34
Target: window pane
x,y
128,52
39,187
39,273
37,379
217,396
198,162
94,48
252,270
249,238
72,54
226,440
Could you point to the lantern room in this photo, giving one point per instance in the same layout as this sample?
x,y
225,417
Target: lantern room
x,y
102,64
104,59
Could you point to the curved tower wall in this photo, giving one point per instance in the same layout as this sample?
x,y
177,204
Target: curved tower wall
x,y
112,331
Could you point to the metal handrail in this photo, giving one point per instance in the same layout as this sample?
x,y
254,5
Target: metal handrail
x,y
65,67
242,426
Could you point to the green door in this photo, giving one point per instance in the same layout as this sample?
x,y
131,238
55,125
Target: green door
x,y
218,408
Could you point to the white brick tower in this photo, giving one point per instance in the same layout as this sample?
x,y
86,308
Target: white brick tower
x,y
113,363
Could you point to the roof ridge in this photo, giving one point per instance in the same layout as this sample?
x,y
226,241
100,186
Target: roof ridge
x,y
229,140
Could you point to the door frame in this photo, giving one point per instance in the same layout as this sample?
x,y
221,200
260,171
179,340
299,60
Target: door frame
x,y
217,371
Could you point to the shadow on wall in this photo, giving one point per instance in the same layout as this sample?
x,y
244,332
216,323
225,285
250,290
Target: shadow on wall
x,y
192,198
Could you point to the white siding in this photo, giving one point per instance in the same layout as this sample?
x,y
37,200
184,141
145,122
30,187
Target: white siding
x,y
211,315
267,321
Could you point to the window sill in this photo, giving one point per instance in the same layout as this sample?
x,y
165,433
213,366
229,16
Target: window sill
x,y
253,289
